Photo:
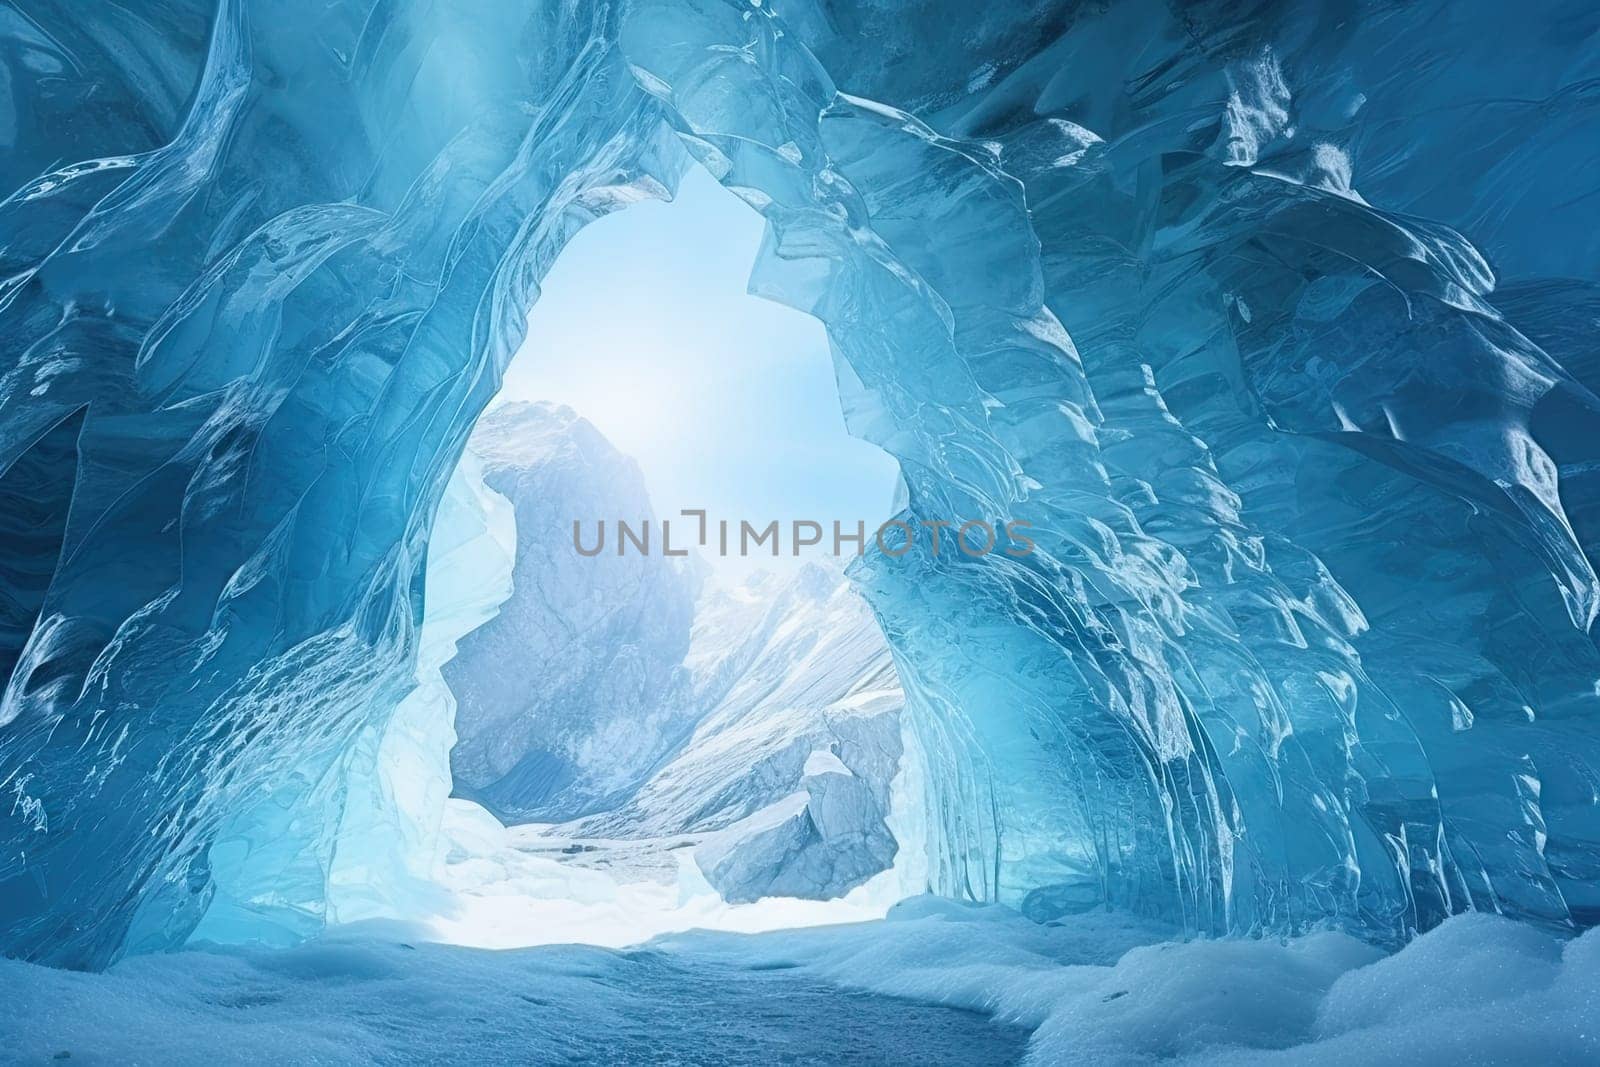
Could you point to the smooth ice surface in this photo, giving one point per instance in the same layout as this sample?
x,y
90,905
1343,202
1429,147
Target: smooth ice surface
x,y
1274,321
1095,989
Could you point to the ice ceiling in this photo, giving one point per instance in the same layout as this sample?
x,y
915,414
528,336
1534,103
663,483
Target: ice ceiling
x,y
1275,320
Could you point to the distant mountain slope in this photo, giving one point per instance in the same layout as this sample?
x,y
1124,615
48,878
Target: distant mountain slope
x,y
627,698
789,772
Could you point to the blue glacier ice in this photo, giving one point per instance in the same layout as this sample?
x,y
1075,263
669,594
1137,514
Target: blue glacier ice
x,y
1275,322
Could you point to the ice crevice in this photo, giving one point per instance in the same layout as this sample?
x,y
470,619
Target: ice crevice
x,y
1286,365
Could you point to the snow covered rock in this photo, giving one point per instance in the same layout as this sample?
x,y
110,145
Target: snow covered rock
x,y
821,841
790,770
625,697
576,689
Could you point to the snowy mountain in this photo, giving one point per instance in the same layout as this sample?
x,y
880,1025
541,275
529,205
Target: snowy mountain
x,y
626,699
576,689
786,780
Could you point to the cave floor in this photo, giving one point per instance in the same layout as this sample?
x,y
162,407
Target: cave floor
x,y
352,1001
1094,988
682,1012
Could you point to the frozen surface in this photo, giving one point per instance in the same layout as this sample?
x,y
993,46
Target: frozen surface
x,y
385,845
356,1002
391,831
1094,990
1274,321
1104,989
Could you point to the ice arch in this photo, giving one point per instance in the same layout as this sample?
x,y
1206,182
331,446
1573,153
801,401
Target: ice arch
x,y
1309,630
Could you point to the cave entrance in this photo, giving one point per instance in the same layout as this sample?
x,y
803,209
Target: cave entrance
x,y
648,740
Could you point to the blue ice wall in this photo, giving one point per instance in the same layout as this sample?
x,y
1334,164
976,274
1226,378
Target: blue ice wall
x,y
244,339
1309,631
1275,321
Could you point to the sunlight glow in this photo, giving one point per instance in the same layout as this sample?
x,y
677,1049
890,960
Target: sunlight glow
x,y
727,401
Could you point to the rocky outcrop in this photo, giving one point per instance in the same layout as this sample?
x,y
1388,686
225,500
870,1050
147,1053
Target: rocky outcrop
x,y
575,691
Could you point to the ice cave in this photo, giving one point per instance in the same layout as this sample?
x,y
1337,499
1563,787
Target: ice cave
x,y
337,337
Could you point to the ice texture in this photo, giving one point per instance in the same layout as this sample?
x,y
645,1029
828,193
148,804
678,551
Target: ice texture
x,y
272,268
392,829
1274,321
384,846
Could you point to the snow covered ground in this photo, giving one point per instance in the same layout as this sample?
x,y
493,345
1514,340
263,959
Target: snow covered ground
x,y
914,988
1104,990
499,887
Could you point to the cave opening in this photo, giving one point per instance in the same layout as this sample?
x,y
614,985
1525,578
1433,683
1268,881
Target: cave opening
x,y
1284,737
646,736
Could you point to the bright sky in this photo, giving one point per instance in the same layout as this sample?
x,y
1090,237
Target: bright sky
x,y
726,400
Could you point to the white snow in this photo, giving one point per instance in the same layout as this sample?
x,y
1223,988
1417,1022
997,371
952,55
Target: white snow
x,y
1104,989
1097,989
496,888
824,762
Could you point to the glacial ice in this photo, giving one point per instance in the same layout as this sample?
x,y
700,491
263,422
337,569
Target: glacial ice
x,y
1274,321
394,823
